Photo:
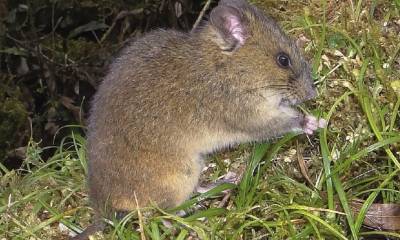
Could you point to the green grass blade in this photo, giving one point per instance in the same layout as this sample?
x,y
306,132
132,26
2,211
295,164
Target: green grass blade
x,y
212,212
327,172
182,235
339,167
345,205
215,191
322,222
364,99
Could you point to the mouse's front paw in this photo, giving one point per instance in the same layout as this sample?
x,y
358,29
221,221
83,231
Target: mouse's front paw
x,y
311,124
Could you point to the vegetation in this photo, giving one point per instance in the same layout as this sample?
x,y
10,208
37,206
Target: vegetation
x,y
296,188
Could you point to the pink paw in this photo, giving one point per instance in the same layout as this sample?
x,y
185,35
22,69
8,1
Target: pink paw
x,y
311,124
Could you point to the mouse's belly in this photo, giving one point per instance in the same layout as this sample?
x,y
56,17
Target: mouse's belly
x,y
144,179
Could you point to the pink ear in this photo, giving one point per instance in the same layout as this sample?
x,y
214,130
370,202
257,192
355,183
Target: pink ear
x,y
230,24
235,28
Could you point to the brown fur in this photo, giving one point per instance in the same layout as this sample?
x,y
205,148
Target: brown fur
x,y
171,97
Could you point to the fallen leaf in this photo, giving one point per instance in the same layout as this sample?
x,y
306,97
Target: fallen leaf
x,y
383,216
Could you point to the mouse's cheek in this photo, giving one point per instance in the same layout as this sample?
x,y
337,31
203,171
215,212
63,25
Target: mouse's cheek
x,y
293,118
291,113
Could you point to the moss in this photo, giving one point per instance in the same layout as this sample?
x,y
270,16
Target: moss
x,y
13,116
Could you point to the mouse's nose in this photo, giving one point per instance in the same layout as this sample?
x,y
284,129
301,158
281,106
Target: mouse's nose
x,y
311,92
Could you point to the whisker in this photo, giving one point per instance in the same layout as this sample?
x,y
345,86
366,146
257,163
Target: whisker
x,y
280,87
283,90
263,95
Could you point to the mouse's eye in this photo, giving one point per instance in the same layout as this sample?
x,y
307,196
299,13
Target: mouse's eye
x,y
283,60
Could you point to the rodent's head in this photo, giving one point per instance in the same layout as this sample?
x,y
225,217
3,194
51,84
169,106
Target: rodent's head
x,y
262,59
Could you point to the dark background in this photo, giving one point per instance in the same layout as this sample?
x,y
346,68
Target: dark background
x,y
54,53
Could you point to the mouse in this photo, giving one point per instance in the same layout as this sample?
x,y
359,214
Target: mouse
x,y
170,98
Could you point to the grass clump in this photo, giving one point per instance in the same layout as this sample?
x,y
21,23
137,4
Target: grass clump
x,y
355,52
37,198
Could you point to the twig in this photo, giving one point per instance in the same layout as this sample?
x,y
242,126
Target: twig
x,y
225,199
302,165
203,11
140,217
120,15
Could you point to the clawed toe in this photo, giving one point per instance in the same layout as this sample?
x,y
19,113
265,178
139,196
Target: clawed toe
x,y
312,124
322,123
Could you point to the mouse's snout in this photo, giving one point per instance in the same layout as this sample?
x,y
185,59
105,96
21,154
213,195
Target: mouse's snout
x,y
305,93
311,92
